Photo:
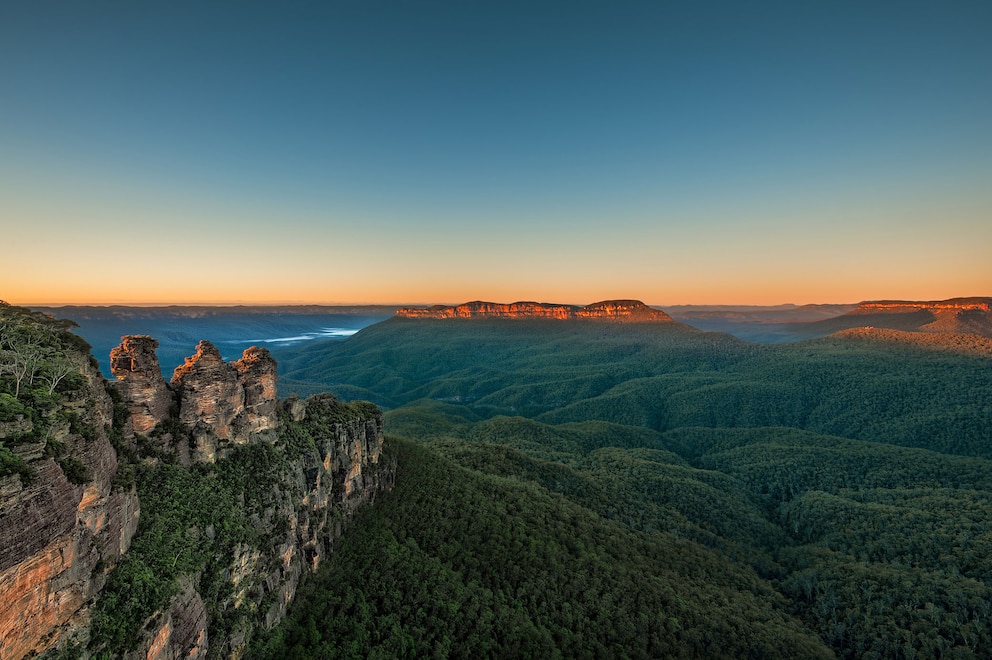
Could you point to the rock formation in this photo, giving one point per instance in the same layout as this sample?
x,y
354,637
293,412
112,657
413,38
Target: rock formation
x,y
953,304
224,404
67,515
608,310
140,381
323,484
221,406
257,375
64,523
182,632
955,316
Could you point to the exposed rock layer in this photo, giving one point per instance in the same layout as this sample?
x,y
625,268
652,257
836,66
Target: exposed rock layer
x,y
64,525
321,486
955,316
609,310
223,405
140,381
953,304
58,539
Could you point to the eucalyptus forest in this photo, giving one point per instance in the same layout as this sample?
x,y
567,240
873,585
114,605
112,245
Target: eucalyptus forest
x,y
587,489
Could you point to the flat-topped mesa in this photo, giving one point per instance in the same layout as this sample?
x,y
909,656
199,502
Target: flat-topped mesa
x,y
956,316
140,382
953,304
226,404
609,310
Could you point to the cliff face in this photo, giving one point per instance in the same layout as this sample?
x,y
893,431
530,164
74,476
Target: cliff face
x,y
222,405
140,381
63,521
306,486
901,306
257,376
607,310
315,462
971,316
221,548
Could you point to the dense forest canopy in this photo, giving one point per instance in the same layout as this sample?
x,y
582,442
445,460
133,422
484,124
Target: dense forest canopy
x,y
847,475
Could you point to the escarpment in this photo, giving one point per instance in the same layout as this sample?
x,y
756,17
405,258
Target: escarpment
x,y
67,512
277,508
241,496
956,316
607,310
953,304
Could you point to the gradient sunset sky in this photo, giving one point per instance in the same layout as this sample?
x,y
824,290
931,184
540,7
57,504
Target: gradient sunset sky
x,y
401,152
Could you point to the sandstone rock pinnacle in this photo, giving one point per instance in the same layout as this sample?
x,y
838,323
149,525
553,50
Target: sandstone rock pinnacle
x,y
140,381
226,404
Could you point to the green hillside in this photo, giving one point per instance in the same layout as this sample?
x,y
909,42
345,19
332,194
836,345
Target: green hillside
x,y
458,563
848,478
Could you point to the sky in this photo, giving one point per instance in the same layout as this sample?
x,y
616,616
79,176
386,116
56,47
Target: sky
x,y
364,151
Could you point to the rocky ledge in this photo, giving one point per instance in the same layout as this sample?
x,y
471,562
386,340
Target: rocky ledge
x,y
607,310
953,304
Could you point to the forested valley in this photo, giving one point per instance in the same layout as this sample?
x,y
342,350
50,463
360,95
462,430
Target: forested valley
x,y
588,489
562,489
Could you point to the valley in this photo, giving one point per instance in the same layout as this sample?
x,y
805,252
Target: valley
x,y
603,481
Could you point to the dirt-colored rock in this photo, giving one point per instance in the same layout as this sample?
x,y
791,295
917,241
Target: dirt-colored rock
x,y
140,382
607,310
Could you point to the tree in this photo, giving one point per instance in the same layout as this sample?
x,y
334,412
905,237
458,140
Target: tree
x,y
57,368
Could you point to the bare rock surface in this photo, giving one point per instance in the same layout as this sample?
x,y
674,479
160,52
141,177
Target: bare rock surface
x,y
607,310
139,379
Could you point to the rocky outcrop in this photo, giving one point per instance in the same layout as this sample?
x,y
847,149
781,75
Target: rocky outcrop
x,y
140,382
322,482
902,306
182,632
970,316
622,310
342,473
66,515
629,311
64,522
225,405
331,467
257,375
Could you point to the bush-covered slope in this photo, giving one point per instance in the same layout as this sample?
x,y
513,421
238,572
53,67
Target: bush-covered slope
x,y
457,563
846,474
663,377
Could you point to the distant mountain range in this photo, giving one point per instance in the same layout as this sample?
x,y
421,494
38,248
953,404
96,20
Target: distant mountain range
x,y
960,316
234,328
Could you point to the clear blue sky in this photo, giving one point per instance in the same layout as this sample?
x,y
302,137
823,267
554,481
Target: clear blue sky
x,y
363,151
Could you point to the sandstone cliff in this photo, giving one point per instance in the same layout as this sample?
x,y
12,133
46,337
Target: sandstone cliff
x,y
607,310
953,304
280,481
283,505
227,531
225,404
954,316
65,516
140,381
